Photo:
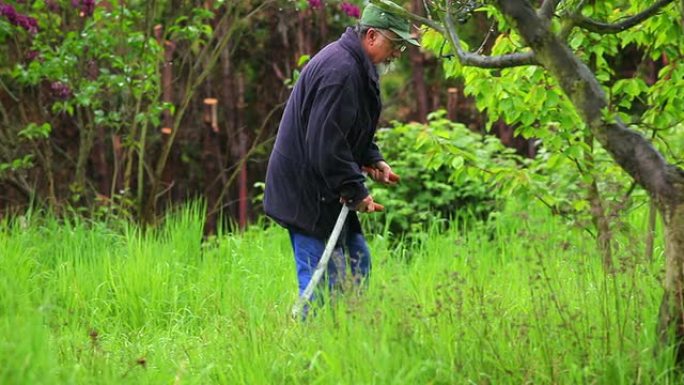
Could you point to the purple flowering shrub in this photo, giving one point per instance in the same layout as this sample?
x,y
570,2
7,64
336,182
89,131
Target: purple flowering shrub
x,y
347,7
350,9
60,90
87,7
15,18
315,4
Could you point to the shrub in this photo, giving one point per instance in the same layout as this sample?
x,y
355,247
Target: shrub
x,y
441,165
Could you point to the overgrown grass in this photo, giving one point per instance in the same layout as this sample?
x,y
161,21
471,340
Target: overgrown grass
x,y
524,300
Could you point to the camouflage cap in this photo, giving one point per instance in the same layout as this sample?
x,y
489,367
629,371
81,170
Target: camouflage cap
x,y
376,17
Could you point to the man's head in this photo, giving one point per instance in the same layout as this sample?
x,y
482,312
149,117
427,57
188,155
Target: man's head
x,y
384,34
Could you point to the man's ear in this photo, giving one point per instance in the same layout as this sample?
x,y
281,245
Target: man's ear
x,y
371,35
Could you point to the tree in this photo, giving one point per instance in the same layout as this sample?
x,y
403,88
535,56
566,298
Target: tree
x,y
549,39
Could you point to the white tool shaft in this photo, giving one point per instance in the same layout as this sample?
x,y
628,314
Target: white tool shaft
x,y
322,264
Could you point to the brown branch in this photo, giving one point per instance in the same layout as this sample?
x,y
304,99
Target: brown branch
x,y
629,149
449,31
256,145
548,8
193,83
398,10
470,59
608,28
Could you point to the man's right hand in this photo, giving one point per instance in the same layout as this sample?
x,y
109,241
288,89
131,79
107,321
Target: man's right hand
x,y
367,205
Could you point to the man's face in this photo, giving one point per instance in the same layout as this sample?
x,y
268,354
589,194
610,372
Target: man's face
x,y
384,45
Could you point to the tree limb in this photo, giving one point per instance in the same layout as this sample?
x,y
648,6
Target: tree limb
x,y
398,10
608,28
449,31
548,8
470,59
629,149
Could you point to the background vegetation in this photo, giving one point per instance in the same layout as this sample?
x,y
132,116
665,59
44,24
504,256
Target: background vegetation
x,y
515,250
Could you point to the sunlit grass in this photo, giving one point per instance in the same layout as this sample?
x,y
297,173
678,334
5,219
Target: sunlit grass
x,y
521,300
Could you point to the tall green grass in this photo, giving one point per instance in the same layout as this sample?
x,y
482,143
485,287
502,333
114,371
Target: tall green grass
x,y
523,300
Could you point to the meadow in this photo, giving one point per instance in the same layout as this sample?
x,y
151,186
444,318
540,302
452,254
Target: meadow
x,y
521,300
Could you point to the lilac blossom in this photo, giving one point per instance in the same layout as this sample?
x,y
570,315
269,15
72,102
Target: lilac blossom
x,y
87,7
52,5
315,4
60,90
26,22
32,55
350,9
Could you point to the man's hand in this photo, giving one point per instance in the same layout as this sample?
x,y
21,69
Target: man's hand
x,y
367,205
382,172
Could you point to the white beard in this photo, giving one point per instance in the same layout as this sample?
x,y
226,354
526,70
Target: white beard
x,y
384,68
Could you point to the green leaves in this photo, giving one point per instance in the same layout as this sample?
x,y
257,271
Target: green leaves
x,y
24,162
34,131
446,169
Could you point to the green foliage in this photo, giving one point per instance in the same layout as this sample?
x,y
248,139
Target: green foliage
x,y
34,131
530,99
83,302
23,163
443,168
31,133
106,65
290,82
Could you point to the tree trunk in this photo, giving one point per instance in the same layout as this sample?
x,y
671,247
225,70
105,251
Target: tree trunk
x,y
602,224
242,143
85,144
452,104
636,155
418,72
100,161
650,231
671,327
598,212
210,161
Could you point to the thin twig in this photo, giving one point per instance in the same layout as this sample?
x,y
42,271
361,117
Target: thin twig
x,y
609,28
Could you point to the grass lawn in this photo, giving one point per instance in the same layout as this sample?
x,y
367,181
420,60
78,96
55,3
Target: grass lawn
x,y
523,300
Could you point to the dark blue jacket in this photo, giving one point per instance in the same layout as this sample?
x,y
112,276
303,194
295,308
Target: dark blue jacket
x,y
325,136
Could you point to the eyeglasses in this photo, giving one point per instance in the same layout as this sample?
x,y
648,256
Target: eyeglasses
x,y
397,44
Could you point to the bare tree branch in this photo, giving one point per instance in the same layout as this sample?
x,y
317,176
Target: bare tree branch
x,y
398,10
471,59
466,58
608,28
548,8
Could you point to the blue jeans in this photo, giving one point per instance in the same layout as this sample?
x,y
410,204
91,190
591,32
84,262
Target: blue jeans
x,y
308,251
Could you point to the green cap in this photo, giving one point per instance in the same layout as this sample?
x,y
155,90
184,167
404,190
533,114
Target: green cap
x,y
376,17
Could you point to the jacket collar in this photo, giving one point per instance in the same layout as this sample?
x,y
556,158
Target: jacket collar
x,y
350,41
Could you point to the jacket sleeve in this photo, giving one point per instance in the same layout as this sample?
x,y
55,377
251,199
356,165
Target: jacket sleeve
x,y
329,152
372,155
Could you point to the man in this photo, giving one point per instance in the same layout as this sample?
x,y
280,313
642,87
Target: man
x,y
325,140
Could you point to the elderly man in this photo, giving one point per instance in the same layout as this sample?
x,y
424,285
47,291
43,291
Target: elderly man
x,y
325,140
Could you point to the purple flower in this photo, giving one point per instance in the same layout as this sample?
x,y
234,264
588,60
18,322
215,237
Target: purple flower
x,y
9,12
315,3
52,5
88,7
350,9
32,55
60,90
26,22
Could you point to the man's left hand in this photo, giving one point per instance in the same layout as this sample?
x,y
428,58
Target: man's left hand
x,y
382,172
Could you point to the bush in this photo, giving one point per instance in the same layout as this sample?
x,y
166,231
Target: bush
x,y
441,165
